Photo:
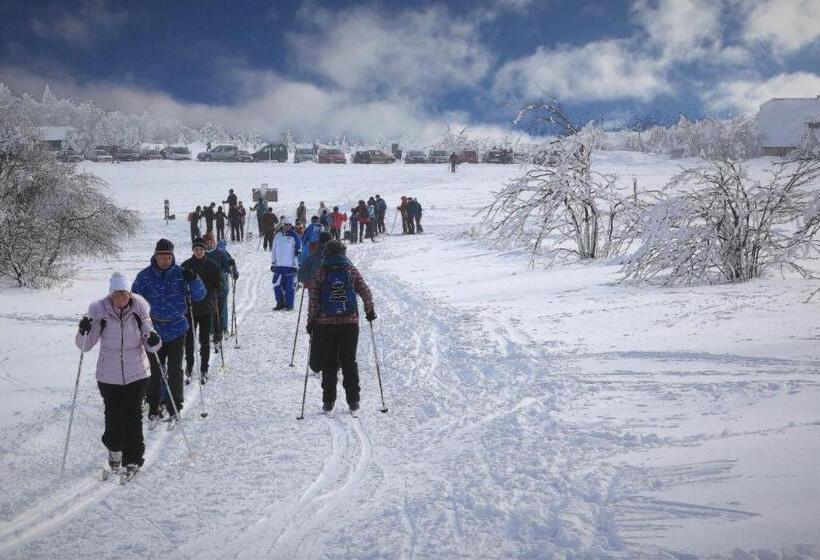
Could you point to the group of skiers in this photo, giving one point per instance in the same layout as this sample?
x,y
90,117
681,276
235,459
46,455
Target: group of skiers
x,y
235,219
410,210
147,329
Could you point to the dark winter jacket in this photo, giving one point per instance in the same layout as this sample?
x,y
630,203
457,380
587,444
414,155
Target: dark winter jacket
x,y
414,208
123,340
234,216
309,268
315,287
220,217
261,208
208,272
209,215
301,213
269,222
225,263
165,291
231,200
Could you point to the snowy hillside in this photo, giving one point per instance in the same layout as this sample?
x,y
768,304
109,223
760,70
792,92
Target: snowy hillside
x,y
547,413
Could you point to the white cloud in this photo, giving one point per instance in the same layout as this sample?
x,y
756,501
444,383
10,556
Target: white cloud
x,y
78,27
270,105
787,25
412,53
681,29
746,96
598,71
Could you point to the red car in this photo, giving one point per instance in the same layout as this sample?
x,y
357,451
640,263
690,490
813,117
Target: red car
x,y
331,155
468,156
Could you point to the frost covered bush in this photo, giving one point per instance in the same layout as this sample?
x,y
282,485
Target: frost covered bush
x,y
736,138
563,201
49,215
718,225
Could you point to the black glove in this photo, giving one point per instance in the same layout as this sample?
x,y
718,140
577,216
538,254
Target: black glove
x,y
370,316
85,325
153,338
188,274
310,326
235,275
273,268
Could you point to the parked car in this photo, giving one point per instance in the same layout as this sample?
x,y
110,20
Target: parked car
x,y
416,156
127,154
502,155
150,154
243,156
69,156
438,156
99,154
372,156
468,156
303,154
177,153
278,151
331,155
223,152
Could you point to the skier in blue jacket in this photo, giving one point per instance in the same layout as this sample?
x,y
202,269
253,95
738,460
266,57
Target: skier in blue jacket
x,y
310,237
284,262
165,286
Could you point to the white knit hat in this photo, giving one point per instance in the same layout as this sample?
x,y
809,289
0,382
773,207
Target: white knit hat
x,y
118,283
287,220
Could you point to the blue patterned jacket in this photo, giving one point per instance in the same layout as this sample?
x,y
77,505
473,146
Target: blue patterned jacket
x,y
165,291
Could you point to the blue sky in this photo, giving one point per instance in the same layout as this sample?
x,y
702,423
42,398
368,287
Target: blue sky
x,y
387,68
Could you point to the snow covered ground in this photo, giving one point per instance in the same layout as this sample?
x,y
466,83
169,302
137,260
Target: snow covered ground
x,y
547,413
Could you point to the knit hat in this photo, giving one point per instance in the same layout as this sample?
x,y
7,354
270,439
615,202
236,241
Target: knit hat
x,y
118,283
208,238
164,247
286,221
335,248
324,237
199,242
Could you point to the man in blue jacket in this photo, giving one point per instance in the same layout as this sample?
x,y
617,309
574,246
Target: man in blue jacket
x,y
284,262
164,285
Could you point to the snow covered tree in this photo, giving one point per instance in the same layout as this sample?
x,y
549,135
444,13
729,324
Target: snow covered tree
x,y
720,225
563,200
49,215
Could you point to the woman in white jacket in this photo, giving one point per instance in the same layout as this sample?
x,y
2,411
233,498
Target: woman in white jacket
x,y
121,323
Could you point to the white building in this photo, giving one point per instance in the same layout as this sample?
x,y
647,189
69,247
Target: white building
x,y
788,123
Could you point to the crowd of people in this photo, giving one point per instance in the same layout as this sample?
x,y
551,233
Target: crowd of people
x,y
147,352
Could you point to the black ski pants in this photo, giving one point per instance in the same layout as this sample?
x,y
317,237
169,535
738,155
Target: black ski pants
x,y
220,231
170,355
337,346
202,324
418,224
123,419
236,232
209,225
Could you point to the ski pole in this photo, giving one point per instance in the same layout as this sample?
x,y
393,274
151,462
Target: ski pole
x,y
164,375
298,319
378,372
307,372
233,305
395,216
235,322
202,412
218,332
73,404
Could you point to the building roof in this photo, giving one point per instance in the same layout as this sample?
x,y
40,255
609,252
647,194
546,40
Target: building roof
x,y
784,122
53,133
